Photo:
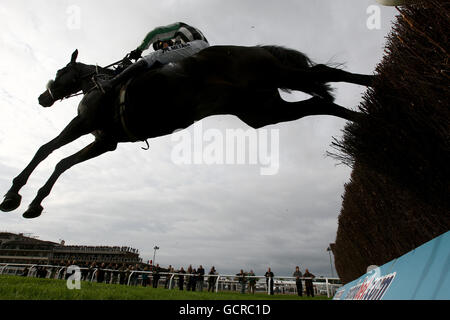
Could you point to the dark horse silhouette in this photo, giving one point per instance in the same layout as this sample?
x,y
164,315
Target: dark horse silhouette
x,y
241,81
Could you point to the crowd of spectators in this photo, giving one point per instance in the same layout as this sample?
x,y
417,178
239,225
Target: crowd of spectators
x,y
98,248
132,274
192,279
249,280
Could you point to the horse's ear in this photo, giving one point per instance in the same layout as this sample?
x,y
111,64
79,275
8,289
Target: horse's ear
x,y
74,56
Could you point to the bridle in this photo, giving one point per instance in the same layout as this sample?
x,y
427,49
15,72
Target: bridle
x,y
51,82
91,74
94,75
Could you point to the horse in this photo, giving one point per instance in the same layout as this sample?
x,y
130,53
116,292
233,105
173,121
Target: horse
x,y
219,80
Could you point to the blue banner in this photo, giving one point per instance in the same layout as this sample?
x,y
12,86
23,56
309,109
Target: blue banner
x,y
422,274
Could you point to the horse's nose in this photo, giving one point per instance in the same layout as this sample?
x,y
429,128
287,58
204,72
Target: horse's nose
x,y
46,100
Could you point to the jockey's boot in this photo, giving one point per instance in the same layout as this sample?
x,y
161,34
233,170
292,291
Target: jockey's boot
x,y
107,85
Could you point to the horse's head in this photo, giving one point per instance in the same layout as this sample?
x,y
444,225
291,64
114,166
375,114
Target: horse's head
x,y
67,82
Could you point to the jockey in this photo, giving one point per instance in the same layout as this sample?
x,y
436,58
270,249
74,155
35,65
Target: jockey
x,y
171,43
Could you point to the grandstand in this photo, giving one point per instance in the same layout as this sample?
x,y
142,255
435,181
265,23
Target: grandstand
x,y
19,248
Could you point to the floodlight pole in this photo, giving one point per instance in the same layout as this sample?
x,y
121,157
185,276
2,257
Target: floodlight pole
x,y
154,254
331,264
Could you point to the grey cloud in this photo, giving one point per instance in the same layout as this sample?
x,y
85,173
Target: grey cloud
x,y
227,216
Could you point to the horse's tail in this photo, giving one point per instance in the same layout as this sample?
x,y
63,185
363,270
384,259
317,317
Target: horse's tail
x,y
295,59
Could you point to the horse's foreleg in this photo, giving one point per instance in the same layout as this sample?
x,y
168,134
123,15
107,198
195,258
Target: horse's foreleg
x,y
95,149
76,128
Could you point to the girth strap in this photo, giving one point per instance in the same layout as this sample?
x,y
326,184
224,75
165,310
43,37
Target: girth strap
x,y
122,106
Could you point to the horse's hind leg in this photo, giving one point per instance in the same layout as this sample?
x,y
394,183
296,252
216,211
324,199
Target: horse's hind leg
x,y
289,111
76,128
95,149
314,80
271,109
323,73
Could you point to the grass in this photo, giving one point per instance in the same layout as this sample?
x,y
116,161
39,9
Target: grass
x,y
20,288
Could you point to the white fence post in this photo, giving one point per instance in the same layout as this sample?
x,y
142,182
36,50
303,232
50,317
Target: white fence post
x,y
217,283
30,270
4,268
269,285
328,287
93,274
170,281
129,278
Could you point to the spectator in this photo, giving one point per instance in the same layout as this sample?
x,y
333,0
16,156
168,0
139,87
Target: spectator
x,y
298,281
84,271
145,278
134,275
101,273
36,271
41,272
92,267
309,283
193,280
211,279
201,277
115,274
156,276
25,272
269,281
242,280
67,275
122,274
189,278
251,282
181,278
108,273
128,275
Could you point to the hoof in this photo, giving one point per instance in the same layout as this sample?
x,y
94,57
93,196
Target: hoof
x,y
33,212
11,202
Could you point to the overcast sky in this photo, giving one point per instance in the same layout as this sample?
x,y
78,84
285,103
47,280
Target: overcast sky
x,y
229,216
